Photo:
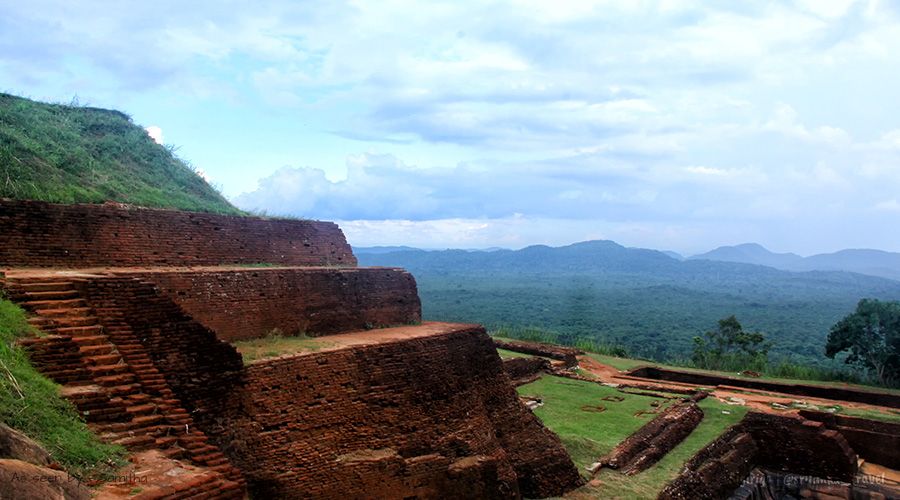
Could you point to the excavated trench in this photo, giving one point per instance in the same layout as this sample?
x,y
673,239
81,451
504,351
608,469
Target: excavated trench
x,y
813,391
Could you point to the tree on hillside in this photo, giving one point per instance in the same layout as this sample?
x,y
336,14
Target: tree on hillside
x,y
729,347
871,335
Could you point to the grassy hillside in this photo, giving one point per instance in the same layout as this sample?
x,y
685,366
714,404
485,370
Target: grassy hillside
x,y
71,154
644,300
31,404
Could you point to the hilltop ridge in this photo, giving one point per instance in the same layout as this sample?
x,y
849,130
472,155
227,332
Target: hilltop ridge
x,y
74,154
857,260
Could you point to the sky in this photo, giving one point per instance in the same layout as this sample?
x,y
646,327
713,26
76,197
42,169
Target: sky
x,y
663,124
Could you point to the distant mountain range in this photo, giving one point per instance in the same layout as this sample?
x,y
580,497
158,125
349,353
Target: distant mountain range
x,y
863,261
647,300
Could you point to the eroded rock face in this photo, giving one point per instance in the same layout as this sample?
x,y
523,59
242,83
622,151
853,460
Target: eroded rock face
x,y
18,446
430,417
24,481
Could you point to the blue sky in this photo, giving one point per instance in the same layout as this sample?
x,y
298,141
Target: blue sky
x,y
663,124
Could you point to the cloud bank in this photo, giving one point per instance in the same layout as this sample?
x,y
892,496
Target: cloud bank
x,y
661,123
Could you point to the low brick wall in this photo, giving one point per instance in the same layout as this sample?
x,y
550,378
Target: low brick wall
x,y
771,442
429,417
814,391
873,440
246,304
566,354
656,438
525,368
38,234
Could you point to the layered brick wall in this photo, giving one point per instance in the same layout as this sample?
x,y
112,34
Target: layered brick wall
x,y
245,304
37,234
429,417
891,400
565,354
522,369
655,439
196,365
875,441
771,442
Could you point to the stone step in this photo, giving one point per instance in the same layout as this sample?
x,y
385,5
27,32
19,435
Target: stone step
x,y
56,312
105,370
55,286
144,409
147,419
92,340
66,321
140,442
102,359
50,295
119,384
54,304
80,331
96,349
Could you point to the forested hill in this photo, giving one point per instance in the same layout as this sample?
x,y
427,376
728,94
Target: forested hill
x,y
75,154
863,261
644,299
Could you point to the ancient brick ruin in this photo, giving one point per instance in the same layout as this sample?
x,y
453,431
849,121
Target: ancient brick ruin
x,y
38,234
781,444
138,308
878,398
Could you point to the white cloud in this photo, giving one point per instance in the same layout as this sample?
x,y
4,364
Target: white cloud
x,y
891,205
155,133
703,117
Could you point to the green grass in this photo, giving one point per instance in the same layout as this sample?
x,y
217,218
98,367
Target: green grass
x,y
504,354
589,435
73,154
275,344
887,415
30,403
648,483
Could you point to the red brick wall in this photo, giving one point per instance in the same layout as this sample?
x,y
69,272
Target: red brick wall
x,y
245,304
37,234
771,442
433,417
196,365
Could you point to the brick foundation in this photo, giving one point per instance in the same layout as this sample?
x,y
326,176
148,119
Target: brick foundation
x,y
38,234
246,304
771,442
875,441
432,417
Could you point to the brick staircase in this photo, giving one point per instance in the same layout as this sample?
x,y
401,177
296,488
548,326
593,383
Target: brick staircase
x,y
110,378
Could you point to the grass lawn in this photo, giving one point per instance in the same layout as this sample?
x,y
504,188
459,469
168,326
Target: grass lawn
x,y
588,435
504,354
276,345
